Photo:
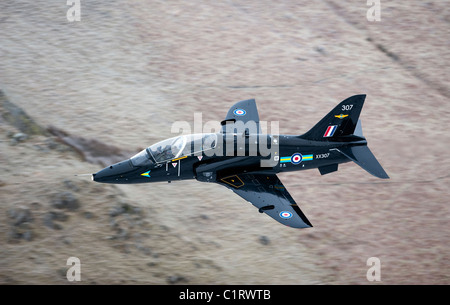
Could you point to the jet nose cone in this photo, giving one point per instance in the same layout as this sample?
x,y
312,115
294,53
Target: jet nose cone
x,y
113,173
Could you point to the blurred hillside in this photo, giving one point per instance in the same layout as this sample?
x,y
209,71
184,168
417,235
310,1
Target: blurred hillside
x,y
122,75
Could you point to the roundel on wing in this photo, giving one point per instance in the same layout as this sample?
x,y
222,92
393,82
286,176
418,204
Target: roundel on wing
x,y
285,214
239,112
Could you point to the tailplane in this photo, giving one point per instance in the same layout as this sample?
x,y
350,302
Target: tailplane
x,y
362,156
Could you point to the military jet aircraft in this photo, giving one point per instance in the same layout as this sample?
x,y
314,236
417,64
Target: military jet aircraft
x,y
246,161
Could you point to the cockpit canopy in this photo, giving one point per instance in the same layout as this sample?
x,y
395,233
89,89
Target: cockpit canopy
x,y
174,148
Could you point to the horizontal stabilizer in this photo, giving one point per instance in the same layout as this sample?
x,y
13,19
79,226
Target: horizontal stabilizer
x,y
362,156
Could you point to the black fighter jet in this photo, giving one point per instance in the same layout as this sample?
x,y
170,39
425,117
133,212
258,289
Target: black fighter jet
x,y
247,161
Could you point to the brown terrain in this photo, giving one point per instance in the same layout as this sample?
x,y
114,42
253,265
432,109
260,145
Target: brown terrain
x,y
77,96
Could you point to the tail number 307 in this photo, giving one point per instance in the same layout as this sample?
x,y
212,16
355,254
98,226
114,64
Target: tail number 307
x,y
347,107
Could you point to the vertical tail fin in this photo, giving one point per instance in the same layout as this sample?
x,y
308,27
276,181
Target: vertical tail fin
x,y
339,122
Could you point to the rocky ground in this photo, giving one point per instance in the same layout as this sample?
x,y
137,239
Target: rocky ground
x,y
76,96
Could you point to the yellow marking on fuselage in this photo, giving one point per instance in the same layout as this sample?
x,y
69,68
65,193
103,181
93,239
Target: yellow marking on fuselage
x,y
179,158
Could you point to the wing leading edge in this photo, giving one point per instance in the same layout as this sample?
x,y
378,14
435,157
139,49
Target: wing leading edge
x,y
268,194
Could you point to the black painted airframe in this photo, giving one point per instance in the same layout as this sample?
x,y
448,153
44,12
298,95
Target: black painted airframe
x,y
246,161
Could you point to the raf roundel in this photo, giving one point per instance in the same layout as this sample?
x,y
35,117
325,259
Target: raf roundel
x,y
285,215
296,158
240,112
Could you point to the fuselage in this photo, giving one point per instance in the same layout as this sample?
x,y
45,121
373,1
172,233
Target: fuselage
x,y
247,162
225,156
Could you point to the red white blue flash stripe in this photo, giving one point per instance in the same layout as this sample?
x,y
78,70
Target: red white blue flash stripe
x,y
330,131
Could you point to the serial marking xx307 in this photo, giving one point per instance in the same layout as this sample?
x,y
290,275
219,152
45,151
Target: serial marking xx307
x,y
246,161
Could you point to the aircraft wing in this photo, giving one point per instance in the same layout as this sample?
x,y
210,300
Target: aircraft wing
x,y
268,194
242,115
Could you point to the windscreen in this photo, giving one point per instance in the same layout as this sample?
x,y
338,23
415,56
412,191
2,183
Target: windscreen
x,y
142,158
